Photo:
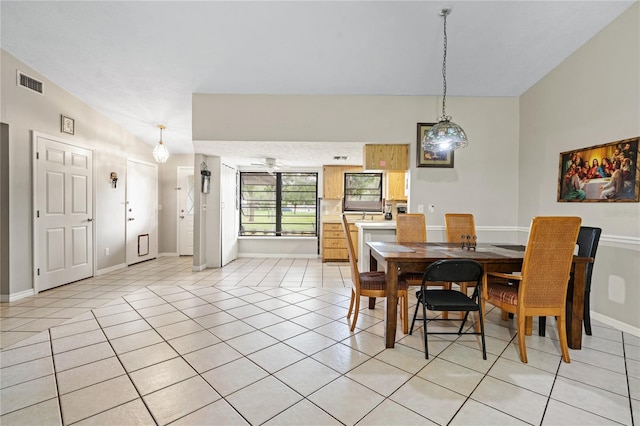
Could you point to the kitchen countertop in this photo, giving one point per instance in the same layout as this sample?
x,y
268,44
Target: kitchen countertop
x,y
352,219
375,224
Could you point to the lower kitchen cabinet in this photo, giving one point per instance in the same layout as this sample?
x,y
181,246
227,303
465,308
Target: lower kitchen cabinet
x,y
334,245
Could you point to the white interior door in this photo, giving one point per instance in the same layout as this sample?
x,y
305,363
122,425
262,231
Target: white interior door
x,y
142,211
185,211
63,237
228,214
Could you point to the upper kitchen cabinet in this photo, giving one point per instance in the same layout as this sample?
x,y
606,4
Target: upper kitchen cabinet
x,y
386,157
333,180
396,186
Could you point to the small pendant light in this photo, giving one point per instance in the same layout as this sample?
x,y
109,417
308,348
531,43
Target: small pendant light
x,y
160,152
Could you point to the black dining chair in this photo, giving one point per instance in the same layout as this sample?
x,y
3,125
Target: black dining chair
x,y
588,238
450,270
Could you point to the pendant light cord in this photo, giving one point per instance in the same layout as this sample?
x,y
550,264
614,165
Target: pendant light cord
x,y
444,70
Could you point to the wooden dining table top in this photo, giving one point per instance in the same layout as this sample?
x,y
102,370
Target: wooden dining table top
x,y
482,252
494,257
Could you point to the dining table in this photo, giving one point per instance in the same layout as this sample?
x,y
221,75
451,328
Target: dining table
x,y
494,257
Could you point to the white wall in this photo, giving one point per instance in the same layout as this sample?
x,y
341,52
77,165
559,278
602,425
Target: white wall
x,y
26,111
590,99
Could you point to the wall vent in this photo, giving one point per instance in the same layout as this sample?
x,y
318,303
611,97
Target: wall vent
x,y
30,83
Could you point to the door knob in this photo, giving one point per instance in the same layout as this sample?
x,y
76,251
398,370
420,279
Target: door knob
x,y
131,218
90,219
181,217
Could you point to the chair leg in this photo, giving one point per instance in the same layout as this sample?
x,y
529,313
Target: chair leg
x,y
542,326
463,290
484,344
415,314
528,326
562,333
424,325
587,314
355,314
405,314
521,343
505,315
353,297
445,314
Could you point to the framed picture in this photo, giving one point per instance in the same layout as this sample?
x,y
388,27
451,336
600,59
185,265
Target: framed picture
x,y
67,124
600,173
431,158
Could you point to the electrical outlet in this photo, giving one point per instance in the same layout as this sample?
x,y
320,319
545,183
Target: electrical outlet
x,y
432,208
420,208
106,251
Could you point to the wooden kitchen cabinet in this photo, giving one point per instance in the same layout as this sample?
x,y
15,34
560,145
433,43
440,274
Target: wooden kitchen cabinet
x,y
334,245
395,186
386,157
333,180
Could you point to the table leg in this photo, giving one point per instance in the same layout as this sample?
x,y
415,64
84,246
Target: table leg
x,y
575,305
391,311
373,266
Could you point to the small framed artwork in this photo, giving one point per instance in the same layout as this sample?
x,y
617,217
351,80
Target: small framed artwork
x,y
600,173
67,124
431,158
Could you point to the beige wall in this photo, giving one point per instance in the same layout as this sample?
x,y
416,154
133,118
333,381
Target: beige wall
x,y
591,98
485,173
25,111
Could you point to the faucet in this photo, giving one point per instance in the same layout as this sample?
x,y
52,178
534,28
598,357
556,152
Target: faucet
x,y
363,216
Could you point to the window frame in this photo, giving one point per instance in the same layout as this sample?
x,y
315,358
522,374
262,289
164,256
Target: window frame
x,y
279,203
359,206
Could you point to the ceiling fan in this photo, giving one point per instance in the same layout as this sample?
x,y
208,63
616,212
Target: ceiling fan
x,y
270,163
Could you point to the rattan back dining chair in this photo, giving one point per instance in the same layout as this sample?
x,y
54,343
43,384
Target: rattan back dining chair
x,y
371,284
411,228
459,226
450,300
588,239
541,288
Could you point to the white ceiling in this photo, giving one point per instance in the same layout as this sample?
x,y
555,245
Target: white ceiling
x,y
138,62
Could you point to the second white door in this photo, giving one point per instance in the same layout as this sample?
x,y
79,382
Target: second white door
x,y
142,211
185,211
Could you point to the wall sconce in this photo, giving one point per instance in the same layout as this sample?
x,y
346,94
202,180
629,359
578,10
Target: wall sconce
x,y
114,179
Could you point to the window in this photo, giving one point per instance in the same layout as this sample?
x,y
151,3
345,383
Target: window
x,y
362,192
278,204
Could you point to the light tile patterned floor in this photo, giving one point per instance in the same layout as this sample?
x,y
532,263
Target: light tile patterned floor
x,y
266,341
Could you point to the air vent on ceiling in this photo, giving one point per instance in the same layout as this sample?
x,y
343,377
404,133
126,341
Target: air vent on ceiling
x,y
30,83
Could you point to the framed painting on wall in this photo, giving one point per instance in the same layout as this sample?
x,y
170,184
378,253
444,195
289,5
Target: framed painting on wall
x,y
431,158
67,124
600,173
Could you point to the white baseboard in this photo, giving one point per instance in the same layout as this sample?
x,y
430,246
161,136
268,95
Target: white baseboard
x,y
279,255
198,268
167,254
17,296
110,269
618,325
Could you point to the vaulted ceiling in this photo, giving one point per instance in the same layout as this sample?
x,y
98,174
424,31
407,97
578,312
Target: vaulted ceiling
x,y
139,62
